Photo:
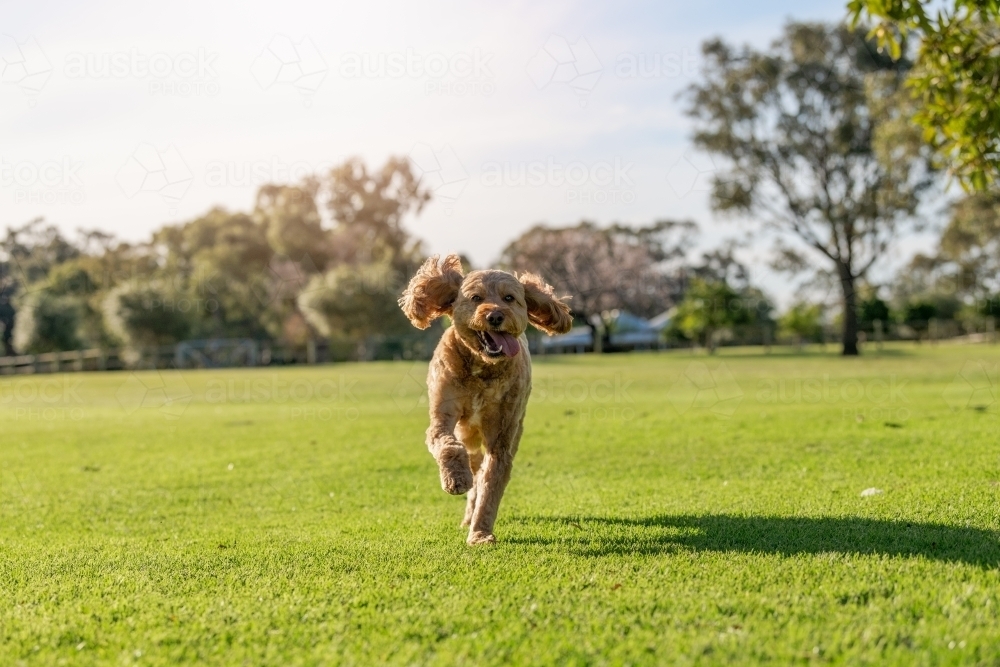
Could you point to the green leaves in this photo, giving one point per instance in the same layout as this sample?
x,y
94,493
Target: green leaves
x,y
712,305
955,81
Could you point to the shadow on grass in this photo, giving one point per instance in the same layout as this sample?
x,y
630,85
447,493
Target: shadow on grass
x,y
604,536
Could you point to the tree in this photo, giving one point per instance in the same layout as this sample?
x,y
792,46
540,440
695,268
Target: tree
x,y
971,244
354,302
962,275
371,252
47,322
799,126
222,274
147,314
368,209
803,321
218,266
955,80
27,254
871,310
602,269
290,220
711,306
969,253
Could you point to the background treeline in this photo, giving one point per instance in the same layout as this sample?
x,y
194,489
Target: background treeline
x,y
326,256
327,259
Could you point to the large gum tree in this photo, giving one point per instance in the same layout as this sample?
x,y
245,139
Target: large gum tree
x,y
815,144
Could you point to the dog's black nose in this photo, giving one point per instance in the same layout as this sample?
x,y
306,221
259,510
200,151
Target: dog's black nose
x,y
495,318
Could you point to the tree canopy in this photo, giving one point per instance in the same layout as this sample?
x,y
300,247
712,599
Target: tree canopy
x,y
799,127
263,274
604,268
956,79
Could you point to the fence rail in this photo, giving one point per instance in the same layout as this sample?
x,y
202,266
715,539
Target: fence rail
x,y
228,353
57,362
223,353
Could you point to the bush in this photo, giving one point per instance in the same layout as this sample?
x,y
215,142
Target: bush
x,y
803,322
711,309
355,301
147,314
871,310
47,322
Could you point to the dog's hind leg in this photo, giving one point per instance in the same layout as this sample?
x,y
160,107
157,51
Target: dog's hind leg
x,y
472,438
491,481
476,459
490,484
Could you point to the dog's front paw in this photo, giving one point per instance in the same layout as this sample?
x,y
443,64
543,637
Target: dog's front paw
x,y
456,474
456,482
479,537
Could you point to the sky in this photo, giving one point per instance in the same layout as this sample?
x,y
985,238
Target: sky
x,y
125,116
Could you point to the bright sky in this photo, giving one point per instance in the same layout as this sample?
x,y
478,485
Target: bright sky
x,y
124,116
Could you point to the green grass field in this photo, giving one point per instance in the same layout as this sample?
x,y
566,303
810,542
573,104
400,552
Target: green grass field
x,y
665,508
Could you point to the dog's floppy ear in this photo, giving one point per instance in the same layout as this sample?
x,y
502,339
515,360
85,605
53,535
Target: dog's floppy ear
x,y
546,311
432,291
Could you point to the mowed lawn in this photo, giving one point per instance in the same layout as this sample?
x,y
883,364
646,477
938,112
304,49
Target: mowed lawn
x,y
665,509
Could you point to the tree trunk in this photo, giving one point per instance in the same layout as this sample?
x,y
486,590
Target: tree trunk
x,y
597,332
850,333
7,316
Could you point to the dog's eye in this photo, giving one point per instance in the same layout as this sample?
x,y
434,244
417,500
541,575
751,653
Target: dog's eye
x,y
476,298
509,298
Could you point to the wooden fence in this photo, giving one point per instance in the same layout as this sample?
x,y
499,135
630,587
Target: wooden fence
x,y
245,352
224,353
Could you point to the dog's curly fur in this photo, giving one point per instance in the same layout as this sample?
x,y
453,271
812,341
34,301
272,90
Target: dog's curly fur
x,y
478,398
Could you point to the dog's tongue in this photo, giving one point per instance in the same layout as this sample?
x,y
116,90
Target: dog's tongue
x,y
507,343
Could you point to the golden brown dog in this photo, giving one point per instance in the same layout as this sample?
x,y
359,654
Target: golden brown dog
x,y
480,376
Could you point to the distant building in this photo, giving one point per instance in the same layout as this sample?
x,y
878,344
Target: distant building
x,y
627,332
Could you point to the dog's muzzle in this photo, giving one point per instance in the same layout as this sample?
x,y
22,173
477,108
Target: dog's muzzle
x,y
498,343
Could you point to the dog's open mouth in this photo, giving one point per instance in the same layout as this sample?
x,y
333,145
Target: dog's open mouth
x,y
498,343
